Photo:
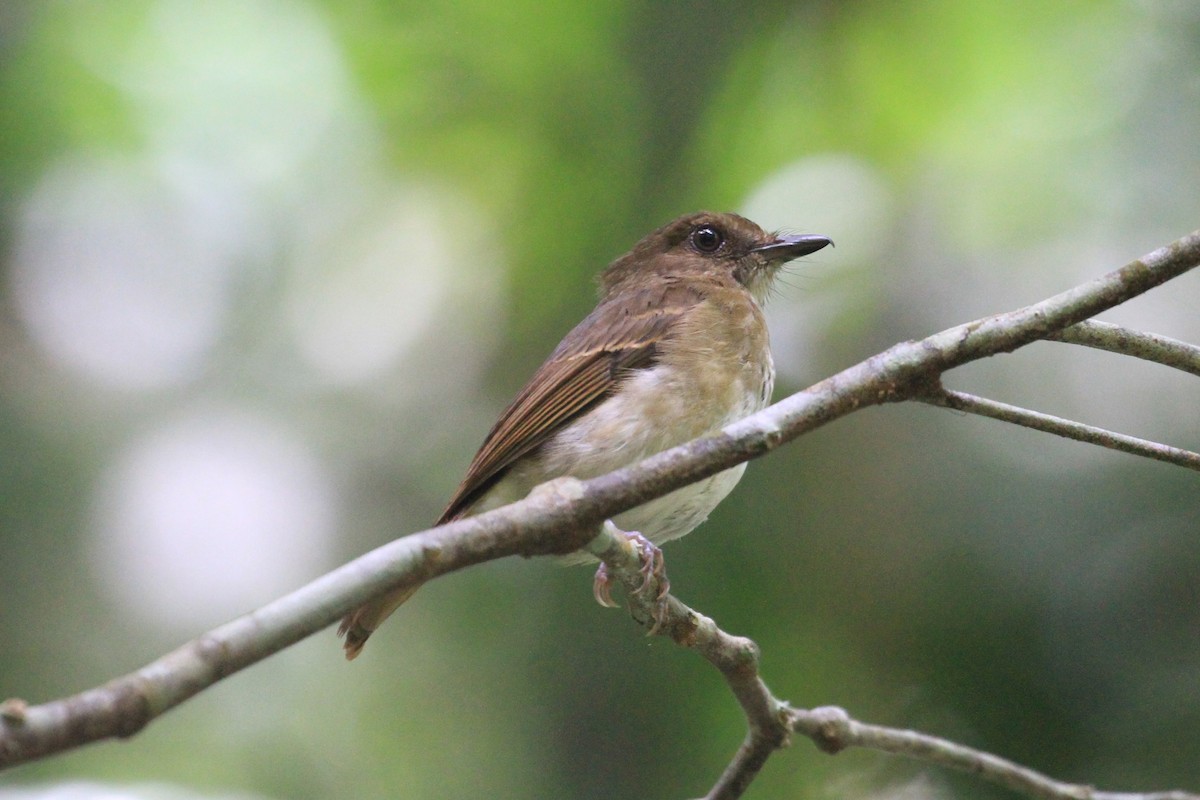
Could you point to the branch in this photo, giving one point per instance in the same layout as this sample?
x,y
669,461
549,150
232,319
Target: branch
x,y
1103,336
771,720
560,519
1149,346
736,658
1047,423
832,730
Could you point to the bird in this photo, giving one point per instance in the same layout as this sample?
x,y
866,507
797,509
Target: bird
x,y
677,347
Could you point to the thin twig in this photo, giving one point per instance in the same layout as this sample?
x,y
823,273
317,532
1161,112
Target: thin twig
x,y
1139,344
770,720
1070,429
833,730
736,658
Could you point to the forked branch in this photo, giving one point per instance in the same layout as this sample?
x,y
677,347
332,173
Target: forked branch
x,y
771,720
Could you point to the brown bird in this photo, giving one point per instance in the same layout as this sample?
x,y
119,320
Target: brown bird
x,y
677,347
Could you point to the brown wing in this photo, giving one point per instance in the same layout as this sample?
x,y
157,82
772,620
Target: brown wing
x,y
622,334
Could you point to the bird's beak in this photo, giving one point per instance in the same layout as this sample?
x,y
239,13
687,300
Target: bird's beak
x,y
785,248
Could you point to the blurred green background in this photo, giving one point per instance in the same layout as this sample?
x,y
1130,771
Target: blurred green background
x,y
270,268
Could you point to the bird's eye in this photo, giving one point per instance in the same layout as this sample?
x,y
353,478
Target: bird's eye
x,y
707,239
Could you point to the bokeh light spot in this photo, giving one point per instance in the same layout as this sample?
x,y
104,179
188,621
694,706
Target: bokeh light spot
x,y
113,281
210,516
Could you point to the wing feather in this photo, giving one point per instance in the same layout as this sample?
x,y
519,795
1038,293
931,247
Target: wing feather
x,y
585,368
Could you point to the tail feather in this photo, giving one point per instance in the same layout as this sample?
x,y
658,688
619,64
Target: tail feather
x,y
359,624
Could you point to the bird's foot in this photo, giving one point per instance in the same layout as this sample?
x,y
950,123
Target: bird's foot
x,y
653,572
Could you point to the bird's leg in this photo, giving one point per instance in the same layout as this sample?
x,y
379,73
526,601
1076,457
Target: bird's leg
x,y
653,572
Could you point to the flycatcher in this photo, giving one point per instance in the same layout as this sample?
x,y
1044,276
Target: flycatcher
x,y
676,348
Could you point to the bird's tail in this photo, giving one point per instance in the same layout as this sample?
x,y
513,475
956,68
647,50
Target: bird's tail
x,y
359,624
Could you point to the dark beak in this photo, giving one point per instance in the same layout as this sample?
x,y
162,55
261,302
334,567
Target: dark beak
x,y
785,248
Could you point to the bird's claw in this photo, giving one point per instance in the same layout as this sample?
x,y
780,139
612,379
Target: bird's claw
x,y
653,572
654,567
602,588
